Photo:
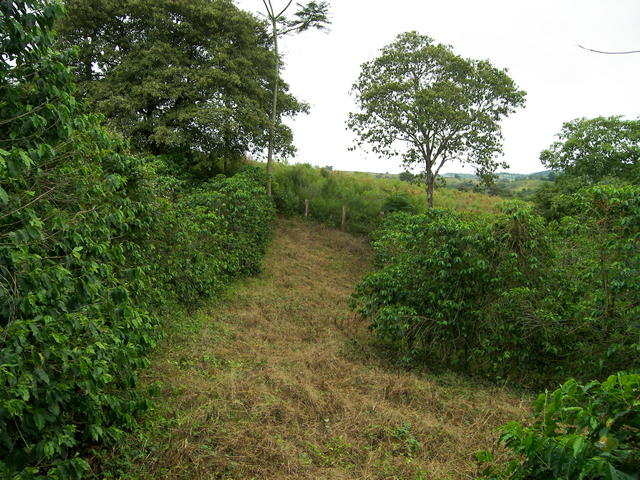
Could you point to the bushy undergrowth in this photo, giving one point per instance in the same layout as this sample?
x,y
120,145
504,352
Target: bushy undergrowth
x,y
203,236
366,197
579,432
94,242
512,297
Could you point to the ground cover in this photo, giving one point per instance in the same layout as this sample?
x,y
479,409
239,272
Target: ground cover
x,y
281,381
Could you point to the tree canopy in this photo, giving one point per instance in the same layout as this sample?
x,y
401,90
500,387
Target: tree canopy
x,y
596,148
421,102
179,76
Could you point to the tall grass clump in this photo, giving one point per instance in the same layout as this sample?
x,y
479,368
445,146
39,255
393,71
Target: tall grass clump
x,y
367,198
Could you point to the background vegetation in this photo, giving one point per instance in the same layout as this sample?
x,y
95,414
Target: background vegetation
x,y
100,247
368,197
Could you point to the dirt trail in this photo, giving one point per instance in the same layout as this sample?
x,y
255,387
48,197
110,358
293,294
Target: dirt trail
x,y
279,382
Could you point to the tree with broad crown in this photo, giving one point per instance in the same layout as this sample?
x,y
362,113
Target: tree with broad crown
x,y
421,102
178,76
596,148
312,15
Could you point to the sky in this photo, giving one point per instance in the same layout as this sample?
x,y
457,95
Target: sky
x,y
537,41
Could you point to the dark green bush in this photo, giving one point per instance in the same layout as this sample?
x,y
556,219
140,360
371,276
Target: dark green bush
x,y
205,236
93,241
71,333
512,297
432,285
600,261
580,432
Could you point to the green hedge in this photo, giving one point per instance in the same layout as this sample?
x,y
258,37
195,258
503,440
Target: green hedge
x,y
93,242
513,297
204,236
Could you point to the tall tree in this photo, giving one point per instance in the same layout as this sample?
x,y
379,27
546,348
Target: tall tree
x,y
179,76
597,148
421,102
312,15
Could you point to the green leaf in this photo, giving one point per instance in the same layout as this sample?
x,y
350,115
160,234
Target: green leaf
x,y
39,419
578,445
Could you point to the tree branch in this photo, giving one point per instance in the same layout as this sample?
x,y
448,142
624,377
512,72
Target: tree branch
x,y
269,10
28,204
442,162
288,30
284,9
609,53
33,110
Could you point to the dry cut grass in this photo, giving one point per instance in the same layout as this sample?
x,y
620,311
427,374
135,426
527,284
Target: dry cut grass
x,y
279,381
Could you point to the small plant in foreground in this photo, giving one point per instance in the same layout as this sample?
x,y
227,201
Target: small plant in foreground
x,y
580,432
406,444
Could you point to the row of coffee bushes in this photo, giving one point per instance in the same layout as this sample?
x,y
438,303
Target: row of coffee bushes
x,y
93,244
203,235
515,297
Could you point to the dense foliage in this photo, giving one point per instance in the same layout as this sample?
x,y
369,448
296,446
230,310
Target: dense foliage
x,y
512,297
204,235
94,242
588,152
71,334
423,103
596,149
367,197
185,76
587,431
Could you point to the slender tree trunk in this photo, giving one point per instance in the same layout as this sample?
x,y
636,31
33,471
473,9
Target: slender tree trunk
x,y
274,109
429,181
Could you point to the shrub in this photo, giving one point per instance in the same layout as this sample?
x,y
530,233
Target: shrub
x,y
207,235
432,286
587,431
93,241
513,296
71,332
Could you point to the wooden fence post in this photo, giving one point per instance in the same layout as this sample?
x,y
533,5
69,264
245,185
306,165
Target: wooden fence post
x,y
344,217
306,207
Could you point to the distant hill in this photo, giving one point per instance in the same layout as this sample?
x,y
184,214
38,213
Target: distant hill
x,y
507,185
544,175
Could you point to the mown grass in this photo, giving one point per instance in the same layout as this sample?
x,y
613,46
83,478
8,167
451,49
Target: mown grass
x,y
279,380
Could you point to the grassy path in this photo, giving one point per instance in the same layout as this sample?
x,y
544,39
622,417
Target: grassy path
x,y
279,382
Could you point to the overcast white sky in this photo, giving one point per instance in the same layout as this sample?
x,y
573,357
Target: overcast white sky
x,y
537,41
